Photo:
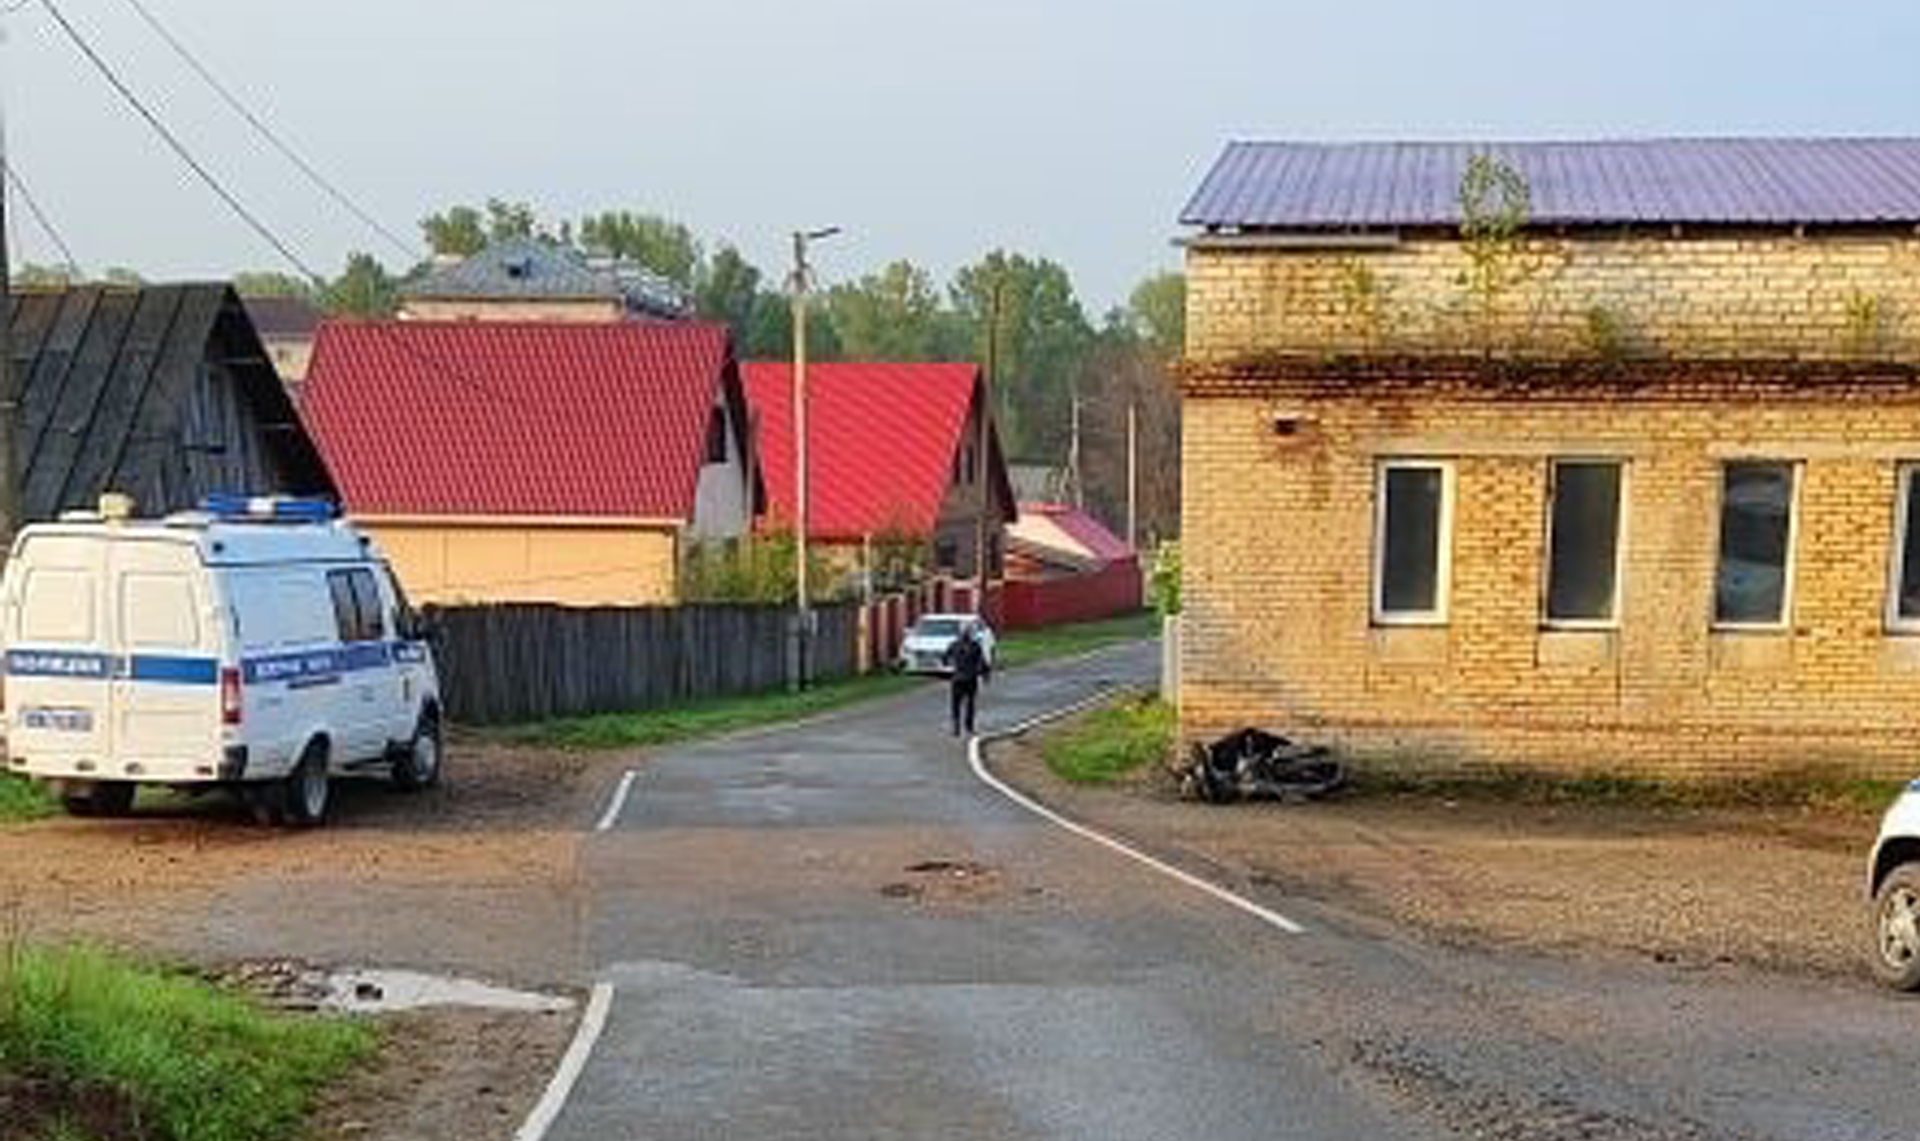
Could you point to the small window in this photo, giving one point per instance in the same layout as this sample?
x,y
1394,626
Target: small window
x,y
717,437
1903,601
1583,542
56,606
157,611
356,606
1754,579
1413,520
946,554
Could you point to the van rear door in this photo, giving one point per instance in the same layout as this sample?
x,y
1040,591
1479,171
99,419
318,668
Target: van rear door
x,y
166,693
59,661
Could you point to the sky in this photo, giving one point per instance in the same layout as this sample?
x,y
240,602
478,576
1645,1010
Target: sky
x,y
1073,129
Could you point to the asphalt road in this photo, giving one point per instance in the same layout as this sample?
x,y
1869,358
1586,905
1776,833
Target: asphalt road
x,y
834,930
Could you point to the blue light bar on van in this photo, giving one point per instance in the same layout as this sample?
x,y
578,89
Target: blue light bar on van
x,y
269,508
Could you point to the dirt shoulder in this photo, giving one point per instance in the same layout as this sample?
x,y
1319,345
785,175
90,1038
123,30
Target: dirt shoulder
x,y
477,878
1778,889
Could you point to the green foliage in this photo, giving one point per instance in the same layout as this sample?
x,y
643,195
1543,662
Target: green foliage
x,y
896,315
1866,328
203,1063
707,718
1606,334
122,276
1792,787
665,247
1495,204
35,275
1024,647
1042,337
271,283
1112,742
727,288
770,332
756,569
23,800
901,557
1158,309
364,289
1165,583
1363,297
462,231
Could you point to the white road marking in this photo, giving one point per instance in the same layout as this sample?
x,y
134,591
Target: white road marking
x,y
976,758
544,1114
619,802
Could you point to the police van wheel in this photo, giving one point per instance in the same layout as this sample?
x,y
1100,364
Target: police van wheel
x,y
102,798
418,766
306,792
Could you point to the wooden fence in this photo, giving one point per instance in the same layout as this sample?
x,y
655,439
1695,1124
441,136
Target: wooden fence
x,y
528,662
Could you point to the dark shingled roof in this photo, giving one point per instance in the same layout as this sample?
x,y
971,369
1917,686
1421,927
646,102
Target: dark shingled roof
x,y
532,269
1758,182
276,316
162,392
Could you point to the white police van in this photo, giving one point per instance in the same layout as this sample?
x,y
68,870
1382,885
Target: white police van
x,y
257,643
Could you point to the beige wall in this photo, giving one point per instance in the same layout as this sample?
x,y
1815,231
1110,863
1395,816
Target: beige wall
x,y
586,310
1278,552
575,565
1757,295
291,356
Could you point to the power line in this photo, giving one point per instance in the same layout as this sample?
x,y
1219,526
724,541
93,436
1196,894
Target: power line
x,y
238,207
40,217
272,137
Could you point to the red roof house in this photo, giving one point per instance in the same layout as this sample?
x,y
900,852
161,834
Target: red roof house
x,y
534,462
1063,565
893,449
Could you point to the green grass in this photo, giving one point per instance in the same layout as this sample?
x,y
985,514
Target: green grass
x,y
702,719
24,800
658,727
1111,742
1787,788
1024,647
199,1062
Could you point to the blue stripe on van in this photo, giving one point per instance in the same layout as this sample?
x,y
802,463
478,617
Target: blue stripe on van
x,y
173,671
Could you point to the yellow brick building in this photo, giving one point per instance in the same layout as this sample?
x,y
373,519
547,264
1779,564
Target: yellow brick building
x,y
1641,507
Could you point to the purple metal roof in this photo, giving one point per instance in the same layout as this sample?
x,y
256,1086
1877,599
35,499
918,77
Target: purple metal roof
x,y
1701,181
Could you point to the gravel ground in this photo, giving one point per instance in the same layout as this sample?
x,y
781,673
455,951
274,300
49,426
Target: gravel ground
x,y
478,877
1776,889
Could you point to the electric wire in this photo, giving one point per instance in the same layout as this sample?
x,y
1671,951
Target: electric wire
x,y
38,214
272,137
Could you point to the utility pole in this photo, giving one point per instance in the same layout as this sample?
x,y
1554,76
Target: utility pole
x,y
982,449
803,612
9,385
1075,494
1133,474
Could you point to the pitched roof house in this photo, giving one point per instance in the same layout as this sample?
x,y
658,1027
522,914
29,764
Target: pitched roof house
x,y
286,326
1642,498
163,393
894,449
535,462
527,279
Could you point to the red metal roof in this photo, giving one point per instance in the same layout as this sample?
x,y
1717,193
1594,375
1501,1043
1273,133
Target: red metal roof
x,y
1068,530
883,441
482,418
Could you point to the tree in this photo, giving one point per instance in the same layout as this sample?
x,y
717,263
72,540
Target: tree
x,y
1125,369
122,276
727,288
271,283
462,231
896,315
770,332
1158,310
1043,333
34,275
363,289
667,248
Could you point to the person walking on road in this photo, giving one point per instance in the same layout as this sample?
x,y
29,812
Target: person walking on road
x,y
968,660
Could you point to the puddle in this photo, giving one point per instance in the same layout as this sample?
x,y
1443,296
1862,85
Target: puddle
x,y
298,986
383,992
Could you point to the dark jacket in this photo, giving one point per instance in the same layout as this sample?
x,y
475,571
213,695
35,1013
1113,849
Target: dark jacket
x,y
968,659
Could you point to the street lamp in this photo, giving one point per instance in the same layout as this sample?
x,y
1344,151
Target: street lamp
x,y
802,282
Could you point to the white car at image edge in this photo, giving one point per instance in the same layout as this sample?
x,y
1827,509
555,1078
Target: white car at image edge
x,y
925,649
1893,883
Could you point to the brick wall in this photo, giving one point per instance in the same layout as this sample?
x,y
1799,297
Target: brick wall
x,y
1714,295
1278,550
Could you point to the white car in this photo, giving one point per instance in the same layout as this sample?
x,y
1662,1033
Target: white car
x,y
924,651
1893,883
258,644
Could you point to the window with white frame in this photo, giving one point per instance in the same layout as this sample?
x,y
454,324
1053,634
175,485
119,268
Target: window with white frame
x,y
1754,582
1583,542
1412,541
1903,594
